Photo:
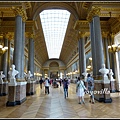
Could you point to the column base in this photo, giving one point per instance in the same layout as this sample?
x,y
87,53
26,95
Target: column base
x,y
113,91
28,94
10,103
108,100
20,102
32,93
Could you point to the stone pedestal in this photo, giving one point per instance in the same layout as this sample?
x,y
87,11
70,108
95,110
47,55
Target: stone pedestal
x,y
33,87
102,91
5,88
112,86
20,92
1,89
11,96
12,92
30,88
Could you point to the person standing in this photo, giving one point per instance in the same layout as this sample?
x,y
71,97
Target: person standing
x,y
47,83
90,85
41,81
80,87
65,87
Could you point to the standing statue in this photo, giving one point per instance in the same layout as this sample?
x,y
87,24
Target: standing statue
x,y
104,71
1,77
110,74
12,73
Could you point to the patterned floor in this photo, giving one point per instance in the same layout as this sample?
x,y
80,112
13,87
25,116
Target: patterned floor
x,y
55,106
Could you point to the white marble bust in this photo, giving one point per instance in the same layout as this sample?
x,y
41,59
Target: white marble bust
x,y
104,71
13,72
110,74
1,77
29,75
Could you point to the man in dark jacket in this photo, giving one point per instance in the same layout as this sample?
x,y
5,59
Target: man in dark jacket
x,y
41,81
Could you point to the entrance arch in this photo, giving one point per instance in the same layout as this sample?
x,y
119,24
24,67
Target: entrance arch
x,y
54,70
55,5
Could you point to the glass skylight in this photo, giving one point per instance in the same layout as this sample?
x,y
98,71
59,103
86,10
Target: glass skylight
x,y
54,24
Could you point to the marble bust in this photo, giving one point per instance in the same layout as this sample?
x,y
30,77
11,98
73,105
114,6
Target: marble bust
x,y
1,76
85,75
110,74
104,71
29,75
13,72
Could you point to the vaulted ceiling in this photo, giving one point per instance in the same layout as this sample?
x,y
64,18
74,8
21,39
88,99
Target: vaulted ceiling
x,y
79,11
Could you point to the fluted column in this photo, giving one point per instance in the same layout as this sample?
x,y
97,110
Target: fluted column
x,y
31,55
82,58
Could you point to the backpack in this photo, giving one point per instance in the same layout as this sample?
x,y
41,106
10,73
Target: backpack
x,y
90,82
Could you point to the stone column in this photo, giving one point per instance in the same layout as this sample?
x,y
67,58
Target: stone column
x,y
31,84
17,96
96,41
82,58
93,51
23,44
105,46
18,45
4,66
31,55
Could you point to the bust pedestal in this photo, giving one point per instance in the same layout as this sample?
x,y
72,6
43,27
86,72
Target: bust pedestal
x,y
12,92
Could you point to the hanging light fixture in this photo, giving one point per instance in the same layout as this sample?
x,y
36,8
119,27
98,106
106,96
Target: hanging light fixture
x,y
3,49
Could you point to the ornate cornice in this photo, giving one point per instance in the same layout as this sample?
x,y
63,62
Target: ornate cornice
x,y
95,11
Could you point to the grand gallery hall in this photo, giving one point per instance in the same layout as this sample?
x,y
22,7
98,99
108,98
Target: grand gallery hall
x,y
59,40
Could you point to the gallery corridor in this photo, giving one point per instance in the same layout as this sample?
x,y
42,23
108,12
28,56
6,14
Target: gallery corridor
x,y
56,106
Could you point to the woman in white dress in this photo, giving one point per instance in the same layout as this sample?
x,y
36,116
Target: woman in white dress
x,y
80,87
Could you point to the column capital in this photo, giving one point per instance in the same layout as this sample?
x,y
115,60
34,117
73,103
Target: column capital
x,y
21,12
105,34
31,35
93,12
81,34
10,36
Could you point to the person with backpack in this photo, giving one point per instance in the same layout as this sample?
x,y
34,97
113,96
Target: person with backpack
x,y
65,87
90,85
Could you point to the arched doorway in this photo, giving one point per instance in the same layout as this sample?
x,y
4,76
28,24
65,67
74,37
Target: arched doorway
x,y
54,70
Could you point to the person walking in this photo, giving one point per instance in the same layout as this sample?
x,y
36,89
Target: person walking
x,y
47,83
80,87
65,87
41,81
90,85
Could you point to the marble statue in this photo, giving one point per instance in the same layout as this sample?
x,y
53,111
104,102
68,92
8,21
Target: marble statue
x,y
12,73
29,75
1,76
110,74
104,71
85,75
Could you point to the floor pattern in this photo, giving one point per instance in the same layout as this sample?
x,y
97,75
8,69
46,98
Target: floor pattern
x,y
54,106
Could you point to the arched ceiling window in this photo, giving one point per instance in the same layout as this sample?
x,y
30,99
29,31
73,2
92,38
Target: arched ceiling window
x,y
54,24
